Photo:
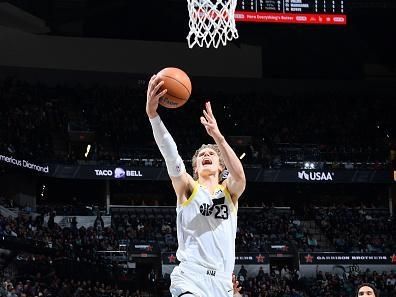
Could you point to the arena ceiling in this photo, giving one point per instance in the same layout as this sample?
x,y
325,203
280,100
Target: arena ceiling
x,y
366,40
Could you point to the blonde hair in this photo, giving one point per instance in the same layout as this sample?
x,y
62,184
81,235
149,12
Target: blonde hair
x,y
204,146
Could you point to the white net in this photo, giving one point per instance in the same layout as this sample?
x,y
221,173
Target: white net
x,y
211,22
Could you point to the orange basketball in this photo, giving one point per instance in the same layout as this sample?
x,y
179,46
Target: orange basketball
x,y
178,84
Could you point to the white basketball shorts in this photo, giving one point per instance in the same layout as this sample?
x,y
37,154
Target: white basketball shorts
x,y
200,281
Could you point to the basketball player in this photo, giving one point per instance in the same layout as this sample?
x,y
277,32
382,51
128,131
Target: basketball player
x,y
367,290
206,207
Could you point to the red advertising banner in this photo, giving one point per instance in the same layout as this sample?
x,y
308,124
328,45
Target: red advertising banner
x,y
292,18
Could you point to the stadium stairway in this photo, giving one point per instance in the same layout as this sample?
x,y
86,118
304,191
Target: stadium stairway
x,y
323,242
8,212
6,257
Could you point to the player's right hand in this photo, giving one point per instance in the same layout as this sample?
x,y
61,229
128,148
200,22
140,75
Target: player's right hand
x,y
153,95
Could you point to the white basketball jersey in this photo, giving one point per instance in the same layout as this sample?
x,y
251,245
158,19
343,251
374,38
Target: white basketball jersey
x,y
206,229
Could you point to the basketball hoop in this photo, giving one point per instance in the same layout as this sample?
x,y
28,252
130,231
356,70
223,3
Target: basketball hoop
x,y
211,22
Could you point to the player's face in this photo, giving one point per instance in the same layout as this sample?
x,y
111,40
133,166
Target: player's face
x,y
208,161
366,291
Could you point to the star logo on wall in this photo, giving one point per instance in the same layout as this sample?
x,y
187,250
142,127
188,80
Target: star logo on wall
x,y
260,258
308,258
172,258
393,258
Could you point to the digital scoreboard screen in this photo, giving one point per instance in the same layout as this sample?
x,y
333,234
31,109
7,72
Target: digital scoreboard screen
x,y
322,12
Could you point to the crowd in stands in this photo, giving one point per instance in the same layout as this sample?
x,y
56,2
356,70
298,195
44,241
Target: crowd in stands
x,y
344,285
257,230
285,282
81,243
149,225
37,120
282,282
358,229
263,227
56,287
71,242
347,229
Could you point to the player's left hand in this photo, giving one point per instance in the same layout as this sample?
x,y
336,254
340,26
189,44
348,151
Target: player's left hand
x,y
209,122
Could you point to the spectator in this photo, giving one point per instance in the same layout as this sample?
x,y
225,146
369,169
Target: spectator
x,y
366,290
99,223
242,272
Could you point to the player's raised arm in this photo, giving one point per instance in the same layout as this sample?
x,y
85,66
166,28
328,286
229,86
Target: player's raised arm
x,y
181,180
236,181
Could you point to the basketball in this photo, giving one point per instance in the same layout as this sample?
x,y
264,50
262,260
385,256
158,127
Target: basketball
x,y
178,84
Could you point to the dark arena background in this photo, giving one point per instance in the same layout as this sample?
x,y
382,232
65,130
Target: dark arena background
x,y
307,102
